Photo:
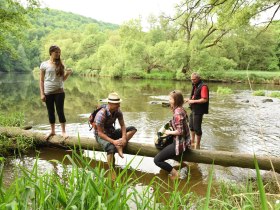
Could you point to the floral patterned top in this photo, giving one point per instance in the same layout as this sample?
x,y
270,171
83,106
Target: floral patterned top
x,y
179,123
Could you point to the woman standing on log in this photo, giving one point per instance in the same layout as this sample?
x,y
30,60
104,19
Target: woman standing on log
x,y
52,76
181,134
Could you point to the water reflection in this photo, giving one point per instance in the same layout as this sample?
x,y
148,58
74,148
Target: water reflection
x,y
238,122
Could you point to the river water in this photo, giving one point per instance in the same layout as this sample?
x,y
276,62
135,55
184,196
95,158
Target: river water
x,y
239,122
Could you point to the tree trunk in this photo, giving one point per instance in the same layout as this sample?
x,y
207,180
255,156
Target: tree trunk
x,y
222,158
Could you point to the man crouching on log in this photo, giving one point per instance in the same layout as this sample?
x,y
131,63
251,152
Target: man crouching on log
x,y
112,140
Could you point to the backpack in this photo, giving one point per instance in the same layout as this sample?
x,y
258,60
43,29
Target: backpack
x,y
91,123
161,140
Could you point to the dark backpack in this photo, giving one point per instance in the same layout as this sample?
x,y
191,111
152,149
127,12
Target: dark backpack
x,y
161,140
91,123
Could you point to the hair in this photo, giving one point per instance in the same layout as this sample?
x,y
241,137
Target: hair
x,y
196,75
178,98
59,67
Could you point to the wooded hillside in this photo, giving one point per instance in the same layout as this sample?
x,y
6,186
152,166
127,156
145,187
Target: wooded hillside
x,y
203,35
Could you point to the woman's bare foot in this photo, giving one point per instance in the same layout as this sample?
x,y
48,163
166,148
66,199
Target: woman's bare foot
x,y
113,175
120,151
48,136
65,136
174,174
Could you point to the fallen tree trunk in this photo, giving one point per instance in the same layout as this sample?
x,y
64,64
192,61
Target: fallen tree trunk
x,y
222,158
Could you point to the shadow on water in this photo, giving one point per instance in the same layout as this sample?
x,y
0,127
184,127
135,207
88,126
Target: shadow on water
x,y
239,122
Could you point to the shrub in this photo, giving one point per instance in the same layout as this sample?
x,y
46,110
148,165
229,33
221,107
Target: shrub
x,y
224,90
275,94
259,93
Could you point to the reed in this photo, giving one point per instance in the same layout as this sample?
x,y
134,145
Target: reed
x,y
79,185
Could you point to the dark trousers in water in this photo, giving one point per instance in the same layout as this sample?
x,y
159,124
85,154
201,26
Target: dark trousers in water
x,y
195,123
166,153
56,100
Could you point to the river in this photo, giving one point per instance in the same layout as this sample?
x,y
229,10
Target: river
x,y
239,122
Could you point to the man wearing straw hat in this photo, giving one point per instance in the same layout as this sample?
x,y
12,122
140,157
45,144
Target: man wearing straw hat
x,y
112,140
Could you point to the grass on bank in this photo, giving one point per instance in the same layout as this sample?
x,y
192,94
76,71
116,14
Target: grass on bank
x,y
274,94
18,145
81,186
224,90
258,77
243,76
259,93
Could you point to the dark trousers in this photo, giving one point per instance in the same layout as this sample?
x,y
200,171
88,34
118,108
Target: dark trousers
x,y
195,123
55,100
166,153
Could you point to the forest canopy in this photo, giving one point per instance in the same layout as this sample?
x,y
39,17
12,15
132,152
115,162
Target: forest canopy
x,y
205,35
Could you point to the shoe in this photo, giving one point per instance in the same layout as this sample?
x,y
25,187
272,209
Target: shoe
x,y
183,173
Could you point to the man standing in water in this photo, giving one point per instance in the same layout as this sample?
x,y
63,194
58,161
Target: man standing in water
x,y
112,140
199,104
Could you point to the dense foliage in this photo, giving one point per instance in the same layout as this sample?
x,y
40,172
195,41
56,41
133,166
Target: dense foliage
x,y
206,36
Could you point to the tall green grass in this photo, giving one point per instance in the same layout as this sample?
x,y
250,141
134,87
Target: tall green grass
x,y
81,186
13,120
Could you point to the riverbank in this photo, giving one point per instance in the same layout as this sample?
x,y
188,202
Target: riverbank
x,y
230,76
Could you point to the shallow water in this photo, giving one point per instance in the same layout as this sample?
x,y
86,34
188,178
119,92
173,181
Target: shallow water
x,y
233,124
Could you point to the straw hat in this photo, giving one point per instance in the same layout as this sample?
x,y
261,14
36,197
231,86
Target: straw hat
x,y
113,98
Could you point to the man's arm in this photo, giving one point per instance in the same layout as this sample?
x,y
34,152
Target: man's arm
x,y
102,135
198,101
203,99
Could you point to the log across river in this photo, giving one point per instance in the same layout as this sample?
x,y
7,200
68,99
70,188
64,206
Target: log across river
x,y
222,158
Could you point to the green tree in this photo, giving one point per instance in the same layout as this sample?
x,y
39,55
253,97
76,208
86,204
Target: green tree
x,y
12,18
204,23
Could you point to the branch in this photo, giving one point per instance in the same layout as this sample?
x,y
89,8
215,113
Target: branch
x,y
217,40
209,32
270,21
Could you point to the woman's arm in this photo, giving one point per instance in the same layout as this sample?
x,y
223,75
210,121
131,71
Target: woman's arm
x,y
42,80
178,122
67,74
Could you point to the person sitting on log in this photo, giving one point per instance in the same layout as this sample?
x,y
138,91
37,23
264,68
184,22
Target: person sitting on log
x,y
112,140
180,133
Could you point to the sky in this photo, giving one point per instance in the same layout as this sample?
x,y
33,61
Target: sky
x,y
121,11
113,11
